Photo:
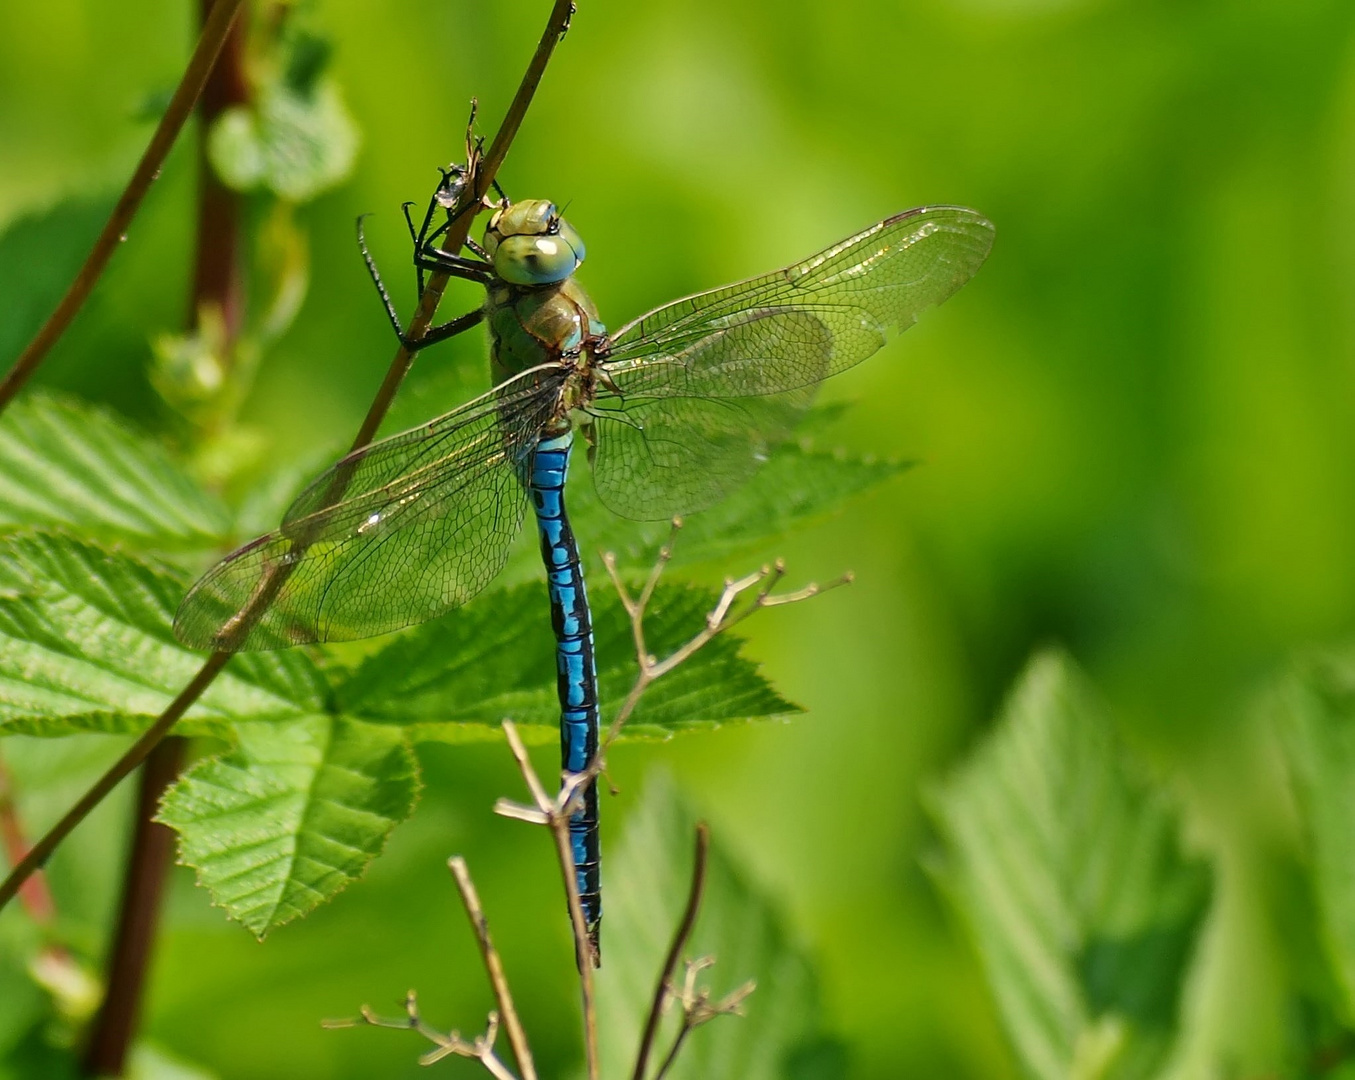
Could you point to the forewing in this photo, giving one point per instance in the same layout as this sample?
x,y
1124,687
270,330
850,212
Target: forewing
x,y
705,385
394,534
862,289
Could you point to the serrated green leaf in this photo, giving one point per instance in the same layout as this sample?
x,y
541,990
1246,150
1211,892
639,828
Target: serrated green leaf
x,y
648,881
456,678
293,814
86,645
1068,871
68,464
292,144
1314,709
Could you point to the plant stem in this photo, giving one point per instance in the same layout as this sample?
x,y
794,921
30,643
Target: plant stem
x,y
680,938
217,276
147,869
517,1037
218,283
148,168
555,28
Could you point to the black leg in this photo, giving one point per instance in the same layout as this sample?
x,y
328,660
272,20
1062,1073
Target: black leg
x,y
449,329
380,285
432,258
431,336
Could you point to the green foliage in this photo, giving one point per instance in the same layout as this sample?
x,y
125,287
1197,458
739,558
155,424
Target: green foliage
x,y
738,926
454,679
292,815
71,465
292,144
1068,870
1315,713
85,645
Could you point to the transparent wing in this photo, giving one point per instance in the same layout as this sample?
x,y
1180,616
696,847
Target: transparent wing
x,y
393,534
704,385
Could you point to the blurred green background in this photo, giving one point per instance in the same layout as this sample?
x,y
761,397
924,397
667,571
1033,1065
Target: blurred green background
x,y
1133,427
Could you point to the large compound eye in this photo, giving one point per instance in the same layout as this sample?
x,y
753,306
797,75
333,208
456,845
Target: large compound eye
x,y
535,260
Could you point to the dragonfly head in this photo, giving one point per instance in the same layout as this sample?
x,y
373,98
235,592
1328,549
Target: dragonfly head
x,y
531,244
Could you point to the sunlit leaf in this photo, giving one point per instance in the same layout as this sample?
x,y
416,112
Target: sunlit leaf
x,y
295,145
648,881
1316,719
1068,871
456,678
294,813
68,464
85,644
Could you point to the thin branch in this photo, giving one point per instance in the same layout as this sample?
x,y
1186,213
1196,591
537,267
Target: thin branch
x,y
480,1048
556,812
724,615
517,1038
114,231
680,938
148,865
697,1008
42,850
557,24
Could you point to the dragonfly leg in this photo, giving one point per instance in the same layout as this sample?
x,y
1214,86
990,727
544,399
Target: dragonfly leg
x,y
435,258
449,329
434,334
414,234
380,285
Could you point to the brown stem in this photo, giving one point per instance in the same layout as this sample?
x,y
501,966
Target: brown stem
x,y
218,283
555,28
217,277
148,867
680,938
512,1024
148,168
42,850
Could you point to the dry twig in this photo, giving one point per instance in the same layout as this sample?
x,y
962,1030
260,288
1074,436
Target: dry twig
x,y
481,1047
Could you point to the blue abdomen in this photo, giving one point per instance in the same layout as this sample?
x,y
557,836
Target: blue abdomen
x,y
576,672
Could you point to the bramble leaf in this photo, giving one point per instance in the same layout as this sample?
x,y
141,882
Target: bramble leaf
x,y
456,678
292,815
85,645
67,464
1068,871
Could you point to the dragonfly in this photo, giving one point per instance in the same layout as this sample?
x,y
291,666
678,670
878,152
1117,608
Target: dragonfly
x,y
676,408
